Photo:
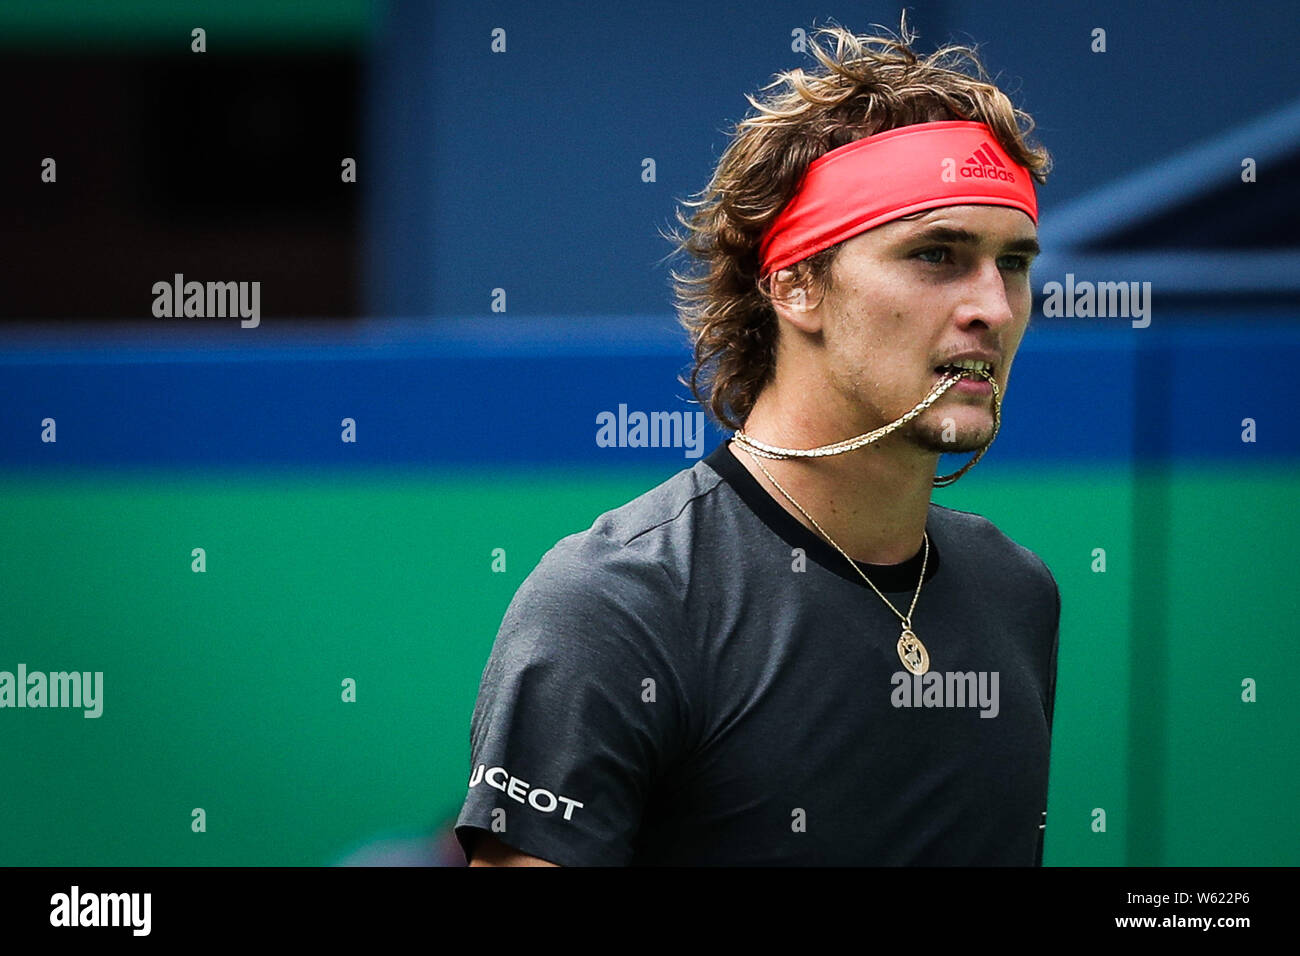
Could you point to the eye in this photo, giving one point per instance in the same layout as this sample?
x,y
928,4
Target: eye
x,y
1017,263
939,251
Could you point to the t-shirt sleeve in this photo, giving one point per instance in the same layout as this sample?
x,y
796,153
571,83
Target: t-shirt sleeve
x,y
1051,666
1049,700
580,707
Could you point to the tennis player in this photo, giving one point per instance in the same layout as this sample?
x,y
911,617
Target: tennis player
x,y
788,654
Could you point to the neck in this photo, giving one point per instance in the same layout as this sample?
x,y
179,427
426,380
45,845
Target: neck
x,y
872,502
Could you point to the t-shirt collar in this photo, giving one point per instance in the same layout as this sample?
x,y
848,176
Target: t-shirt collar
x,y
888,577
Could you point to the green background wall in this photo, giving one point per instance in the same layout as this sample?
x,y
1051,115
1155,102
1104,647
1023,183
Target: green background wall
x,y
222,690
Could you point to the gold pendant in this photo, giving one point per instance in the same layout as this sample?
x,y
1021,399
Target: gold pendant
x,y
913,653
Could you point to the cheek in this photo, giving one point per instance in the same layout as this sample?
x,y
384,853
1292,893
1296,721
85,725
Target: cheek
x,y
1016,337
1021,301
1020,296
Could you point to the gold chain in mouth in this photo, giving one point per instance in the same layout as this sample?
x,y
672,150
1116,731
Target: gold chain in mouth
x,y
950,378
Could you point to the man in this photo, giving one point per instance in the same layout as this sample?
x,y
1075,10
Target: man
x,y
787,655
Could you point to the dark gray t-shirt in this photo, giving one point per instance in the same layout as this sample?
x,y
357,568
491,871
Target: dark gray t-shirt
x,y
700,679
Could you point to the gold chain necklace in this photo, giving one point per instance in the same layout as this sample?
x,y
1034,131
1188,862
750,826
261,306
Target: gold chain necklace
x,y
910,649
756,447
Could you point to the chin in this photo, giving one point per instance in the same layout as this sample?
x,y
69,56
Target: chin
x,y
960,447
968,437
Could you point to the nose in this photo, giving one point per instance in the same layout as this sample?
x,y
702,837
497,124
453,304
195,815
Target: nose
x,y
985,301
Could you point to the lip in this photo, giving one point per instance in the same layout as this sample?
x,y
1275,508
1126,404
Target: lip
x,y
973,386
969,384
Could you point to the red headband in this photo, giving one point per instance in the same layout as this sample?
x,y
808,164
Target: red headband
x,y
893,174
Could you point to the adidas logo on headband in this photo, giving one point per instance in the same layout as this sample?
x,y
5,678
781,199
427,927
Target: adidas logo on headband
x,y
984,164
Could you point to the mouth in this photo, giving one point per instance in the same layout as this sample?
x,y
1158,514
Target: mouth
x,y
973,375
965,368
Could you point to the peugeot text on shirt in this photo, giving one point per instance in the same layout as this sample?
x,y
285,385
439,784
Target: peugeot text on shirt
x,y
538,798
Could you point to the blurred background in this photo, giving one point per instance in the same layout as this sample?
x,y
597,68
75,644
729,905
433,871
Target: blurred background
x,y
372,466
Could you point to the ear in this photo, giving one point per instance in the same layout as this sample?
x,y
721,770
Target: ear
x,y
796,300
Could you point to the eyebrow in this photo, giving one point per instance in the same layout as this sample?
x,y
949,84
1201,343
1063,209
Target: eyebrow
x,y
948,234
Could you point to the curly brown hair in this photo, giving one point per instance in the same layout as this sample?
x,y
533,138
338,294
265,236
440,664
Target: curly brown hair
x,y
869,84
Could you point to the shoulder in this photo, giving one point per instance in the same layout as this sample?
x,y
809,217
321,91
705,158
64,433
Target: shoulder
x,y
620,581
642,546
978,542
